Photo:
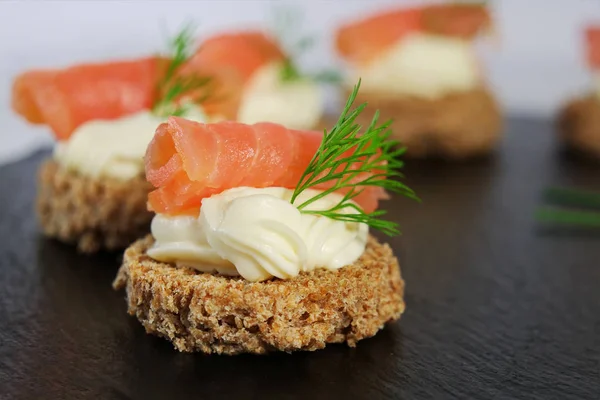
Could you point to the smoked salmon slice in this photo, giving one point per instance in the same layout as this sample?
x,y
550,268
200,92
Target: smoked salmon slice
x,y
363,40
231,60
65,99
464,21
188,161
241,52
592,38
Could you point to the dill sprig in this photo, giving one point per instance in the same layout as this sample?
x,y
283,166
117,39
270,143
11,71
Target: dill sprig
x,y
287,22
572,197
350,161
570,207
173,88
569,218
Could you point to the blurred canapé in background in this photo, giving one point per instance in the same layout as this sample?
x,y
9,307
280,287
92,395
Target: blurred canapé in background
x,y
535,66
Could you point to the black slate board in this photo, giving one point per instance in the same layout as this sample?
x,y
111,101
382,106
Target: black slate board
x,y
497,308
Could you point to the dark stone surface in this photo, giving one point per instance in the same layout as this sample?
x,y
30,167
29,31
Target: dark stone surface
x,y
497,308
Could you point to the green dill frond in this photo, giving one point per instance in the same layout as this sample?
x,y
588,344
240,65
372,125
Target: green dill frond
x,y
349,161
572,197
172,88
286,26
570,218
570,207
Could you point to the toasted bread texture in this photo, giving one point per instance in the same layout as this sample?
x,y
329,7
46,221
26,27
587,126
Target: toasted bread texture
x,y
579,124
93,213
457,126
212,313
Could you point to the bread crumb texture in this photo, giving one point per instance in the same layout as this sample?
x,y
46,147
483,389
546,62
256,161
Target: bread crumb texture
x,y
228,315
579,123
95,214
456,126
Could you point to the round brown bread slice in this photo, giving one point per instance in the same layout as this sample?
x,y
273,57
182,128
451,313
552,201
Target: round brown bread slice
x,y
579,123
456,126
228,315
95,214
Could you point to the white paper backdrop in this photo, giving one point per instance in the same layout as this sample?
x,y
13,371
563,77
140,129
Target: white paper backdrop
x,y
538,64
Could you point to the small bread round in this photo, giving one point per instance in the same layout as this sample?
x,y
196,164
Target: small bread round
x,y
95,214
212,313
456,126
579,123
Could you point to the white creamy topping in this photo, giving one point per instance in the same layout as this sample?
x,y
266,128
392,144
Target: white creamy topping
x,y
296,105
258,234
422,65
113,148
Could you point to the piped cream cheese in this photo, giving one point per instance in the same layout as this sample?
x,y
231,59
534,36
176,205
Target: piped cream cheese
x,y
113,148
296,104
421,65
258,234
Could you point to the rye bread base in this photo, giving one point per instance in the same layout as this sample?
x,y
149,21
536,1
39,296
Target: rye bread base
x,y
93,213
579,124
456,126
228,315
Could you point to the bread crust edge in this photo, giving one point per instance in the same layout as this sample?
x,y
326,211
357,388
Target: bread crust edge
x,y
93,213
456,126
212,313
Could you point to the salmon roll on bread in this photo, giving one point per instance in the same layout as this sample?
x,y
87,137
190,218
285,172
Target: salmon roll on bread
x,y
93,192
264,82
261,236
579,119
419,68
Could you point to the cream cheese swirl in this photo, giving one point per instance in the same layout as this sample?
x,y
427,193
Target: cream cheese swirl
x,y
421,65
258,234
